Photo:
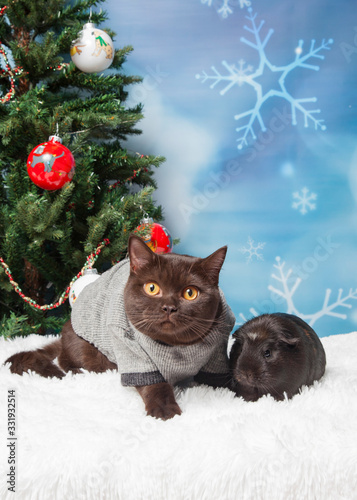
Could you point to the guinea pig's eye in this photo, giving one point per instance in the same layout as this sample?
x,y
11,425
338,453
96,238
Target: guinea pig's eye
x,y
190,293
152,289
267,353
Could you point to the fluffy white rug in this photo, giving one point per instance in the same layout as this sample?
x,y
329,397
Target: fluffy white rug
x,y
87,438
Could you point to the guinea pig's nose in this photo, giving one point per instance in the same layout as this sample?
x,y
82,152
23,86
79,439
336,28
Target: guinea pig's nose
x,y
249,375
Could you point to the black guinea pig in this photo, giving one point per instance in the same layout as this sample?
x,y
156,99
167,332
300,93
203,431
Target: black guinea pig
x,y
275,354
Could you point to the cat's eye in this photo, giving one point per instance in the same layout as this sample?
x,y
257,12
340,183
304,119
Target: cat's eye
x,y
190,293
267,353
152,288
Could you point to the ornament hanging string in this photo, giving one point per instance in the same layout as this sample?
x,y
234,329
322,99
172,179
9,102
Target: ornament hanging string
x,y
89,264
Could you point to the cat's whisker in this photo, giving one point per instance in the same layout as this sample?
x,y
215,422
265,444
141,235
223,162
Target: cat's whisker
x,y
200,327
189,326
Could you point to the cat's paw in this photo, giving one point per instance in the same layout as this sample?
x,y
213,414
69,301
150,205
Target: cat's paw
x,y
159,400
164,412
33,361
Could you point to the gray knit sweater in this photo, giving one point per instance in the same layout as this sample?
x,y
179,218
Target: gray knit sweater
x,y
99,317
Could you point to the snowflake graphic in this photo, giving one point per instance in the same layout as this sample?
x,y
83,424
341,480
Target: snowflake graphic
x,y
252,119
287,285
252,250
237,76
225,7
304,201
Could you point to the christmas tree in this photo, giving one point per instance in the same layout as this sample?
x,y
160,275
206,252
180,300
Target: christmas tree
x,y
46,235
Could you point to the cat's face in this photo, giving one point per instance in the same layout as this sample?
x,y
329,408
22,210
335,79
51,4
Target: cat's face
x,y
172,298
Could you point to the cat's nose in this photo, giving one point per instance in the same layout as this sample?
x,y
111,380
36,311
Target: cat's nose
x,y
169,309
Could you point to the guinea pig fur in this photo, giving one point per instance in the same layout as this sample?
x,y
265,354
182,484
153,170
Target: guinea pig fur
x,y
275,354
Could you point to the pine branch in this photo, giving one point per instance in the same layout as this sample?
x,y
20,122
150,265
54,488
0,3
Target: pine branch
x,y
50,233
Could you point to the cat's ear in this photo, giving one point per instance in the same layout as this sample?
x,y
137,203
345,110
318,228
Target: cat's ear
x,y
140,254
213,264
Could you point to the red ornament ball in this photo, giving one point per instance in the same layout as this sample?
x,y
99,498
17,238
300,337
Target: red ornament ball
x,y
51,165
158,238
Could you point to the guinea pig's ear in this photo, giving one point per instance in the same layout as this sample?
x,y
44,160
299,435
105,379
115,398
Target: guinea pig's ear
x,y
289,341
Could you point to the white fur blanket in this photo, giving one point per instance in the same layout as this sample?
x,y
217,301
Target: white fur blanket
x,y
87,438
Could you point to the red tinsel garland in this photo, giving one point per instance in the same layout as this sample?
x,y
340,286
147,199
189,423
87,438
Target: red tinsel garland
x,y
90,261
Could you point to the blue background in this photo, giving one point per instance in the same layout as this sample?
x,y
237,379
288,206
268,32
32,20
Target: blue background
x,y
284,200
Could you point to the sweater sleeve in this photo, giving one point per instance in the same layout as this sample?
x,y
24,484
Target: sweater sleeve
x,y
134,364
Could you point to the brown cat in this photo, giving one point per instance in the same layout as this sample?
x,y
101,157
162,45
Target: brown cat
x,y
157,319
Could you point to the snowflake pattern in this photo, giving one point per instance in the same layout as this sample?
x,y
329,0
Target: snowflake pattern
x,y
225,7
252,249
252,119
304,201
237,75
287,285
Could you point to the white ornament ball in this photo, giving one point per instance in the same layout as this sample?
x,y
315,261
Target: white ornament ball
x,y
93,51
89,276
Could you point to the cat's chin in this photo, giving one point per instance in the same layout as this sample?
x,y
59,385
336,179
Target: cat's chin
x,y
167,333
